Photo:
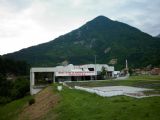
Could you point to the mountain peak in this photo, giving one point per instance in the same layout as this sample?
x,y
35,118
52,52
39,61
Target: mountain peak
x,y
100,22
101,18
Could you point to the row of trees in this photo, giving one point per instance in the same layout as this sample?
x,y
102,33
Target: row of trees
x,y
12,66
11,89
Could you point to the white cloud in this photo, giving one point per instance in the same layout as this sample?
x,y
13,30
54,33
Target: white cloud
x,y
18,30
25,23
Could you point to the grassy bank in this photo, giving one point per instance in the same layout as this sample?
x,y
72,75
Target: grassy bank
x,y
11,110
80,105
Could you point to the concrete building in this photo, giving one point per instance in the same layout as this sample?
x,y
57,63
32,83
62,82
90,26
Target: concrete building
x,y
40,77
116,74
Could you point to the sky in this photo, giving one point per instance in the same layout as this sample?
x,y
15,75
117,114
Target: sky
x,y
25,23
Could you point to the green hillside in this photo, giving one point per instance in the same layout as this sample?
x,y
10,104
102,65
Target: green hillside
x,y
101,36
12,110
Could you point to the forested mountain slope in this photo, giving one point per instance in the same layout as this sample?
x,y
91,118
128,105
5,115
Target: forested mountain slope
x,y
105,38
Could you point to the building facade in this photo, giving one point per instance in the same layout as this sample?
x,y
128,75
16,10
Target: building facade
x,y
39,77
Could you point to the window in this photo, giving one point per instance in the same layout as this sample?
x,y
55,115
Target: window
x,y
91,69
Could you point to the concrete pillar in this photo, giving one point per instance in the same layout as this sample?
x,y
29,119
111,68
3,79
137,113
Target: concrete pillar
x,y
32,78
32,82
54,77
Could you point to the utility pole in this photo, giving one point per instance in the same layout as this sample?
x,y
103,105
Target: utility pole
x,y
95,67
126,66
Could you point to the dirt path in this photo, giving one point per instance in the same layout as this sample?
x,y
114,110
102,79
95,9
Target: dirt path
x,y
44,102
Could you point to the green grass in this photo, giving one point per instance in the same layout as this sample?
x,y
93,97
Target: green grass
x,y
145,77
11,110
80,105
136,81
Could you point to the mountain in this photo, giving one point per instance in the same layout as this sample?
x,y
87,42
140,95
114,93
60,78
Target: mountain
x,y
107,39
158,36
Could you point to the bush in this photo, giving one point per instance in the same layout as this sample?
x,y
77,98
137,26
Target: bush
x,y
12,90
21,88
4,100
31,101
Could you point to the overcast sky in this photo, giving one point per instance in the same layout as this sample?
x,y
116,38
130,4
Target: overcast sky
x,y
25,23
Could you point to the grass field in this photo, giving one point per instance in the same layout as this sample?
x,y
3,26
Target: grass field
x,y
145,77
80,105
11,110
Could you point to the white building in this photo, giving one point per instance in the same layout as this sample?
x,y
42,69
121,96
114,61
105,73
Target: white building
x,y
116,74
39,77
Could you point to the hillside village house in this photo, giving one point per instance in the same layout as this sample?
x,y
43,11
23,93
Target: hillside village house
x,y
146,71
39,77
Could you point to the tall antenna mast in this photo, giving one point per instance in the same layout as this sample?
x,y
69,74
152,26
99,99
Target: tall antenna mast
x,y
95,60
126,66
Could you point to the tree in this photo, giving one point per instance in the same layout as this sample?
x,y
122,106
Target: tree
x,y
103,72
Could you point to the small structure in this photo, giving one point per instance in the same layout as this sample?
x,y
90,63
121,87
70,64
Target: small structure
x,y
116,74
155,71
40,77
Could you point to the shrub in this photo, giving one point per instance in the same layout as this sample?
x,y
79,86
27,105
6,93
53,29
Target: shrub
x,y
4,100
31,101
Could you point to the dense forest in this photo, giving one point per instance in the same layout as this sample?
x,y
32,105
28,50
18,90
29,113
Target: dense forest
x,y
9,66
14,80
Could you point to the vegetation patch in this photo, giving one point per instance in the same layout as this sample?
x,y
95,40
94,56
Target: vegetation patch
x,y
11,110
12,90
31,101
80,105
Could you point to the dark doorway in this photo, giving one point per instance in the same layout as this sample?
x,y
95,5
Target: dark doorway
x,y
43,78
